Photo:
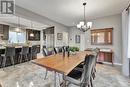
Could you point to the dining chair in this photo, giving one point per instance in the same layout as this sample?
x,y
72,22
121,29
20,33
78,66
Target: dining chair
x,y
85,80
46,52
65,48
9,53
96,53
56,50
24,54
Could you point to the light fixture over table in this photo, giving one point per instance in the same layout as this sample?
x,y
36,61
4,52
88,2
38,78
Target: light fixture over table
x,y
83,25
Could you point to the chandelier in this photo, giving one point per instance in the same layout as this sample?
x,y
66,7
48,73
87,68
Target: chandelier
x,y
83,25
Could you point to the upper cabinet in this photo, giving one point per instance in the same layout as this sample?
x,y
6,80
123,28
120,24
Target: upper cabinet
x,y
4,30
33,35
102,36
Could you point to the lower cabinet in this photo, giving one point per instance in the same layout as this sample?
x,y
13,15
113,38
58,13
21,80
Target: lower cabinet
x,y
105,57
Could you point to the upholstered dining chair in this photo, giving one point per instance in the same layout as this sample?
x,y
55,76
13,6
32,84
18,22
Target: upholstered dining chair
x,y
24,53
85,80
56,50
9,53
96,53
46,52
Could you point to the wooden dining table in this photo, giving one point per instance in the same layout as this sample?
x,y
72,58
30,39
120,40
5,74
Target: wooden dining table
x,y
60,64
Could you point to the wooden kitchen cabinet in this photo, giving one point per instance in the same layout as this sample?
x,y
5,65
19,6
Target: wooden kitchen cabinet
x,y
105,56
36,36
102,36
1,29
4,30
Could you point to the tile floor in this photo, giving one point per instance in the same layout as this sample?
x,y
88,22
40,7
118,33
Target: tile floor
x,y
31,75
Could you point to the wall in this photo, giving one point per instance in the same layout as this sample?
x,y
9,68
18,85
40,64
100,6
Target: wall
x,y
72,33
114,21
59,28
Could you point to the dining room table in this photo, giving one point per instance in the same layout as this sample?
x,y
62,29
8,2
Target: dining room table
x,y
61,64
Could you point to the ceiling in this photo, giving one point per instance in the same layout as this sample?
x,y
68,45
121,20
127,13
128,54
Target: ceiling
x,y
70,12
24,23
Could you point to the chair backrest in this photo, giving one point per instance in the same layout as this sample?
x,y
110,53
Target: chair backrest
x,y
10,51
25,50
60,49
87,69
65,48
56,50
96,53
47,52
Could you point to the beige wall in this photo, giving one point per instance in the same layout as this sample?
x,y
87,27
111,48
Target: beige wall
x,y
114,21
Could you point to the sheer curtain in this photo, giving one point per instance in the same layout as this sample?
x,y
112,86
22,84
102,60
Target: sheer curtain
x,y
128,52
125,41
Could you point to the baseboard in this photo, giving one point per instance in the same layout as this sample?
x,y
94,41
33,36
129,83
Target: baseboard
x,y
119,64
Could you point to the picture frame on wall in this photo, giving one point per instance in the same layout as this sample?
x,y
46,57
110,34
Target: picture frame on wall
x,y
77,38
59,36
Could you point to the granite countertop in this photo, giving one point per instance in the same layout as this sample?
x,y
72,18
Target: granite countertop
x,y
3,47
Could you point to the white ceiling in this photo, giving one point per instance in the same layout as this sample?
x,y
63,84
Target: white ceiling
x,y
24,23
70,12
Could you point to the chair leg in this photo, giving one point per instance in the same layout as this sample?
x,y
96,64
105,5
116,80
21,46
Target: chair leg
x,y
59,77
91,82
21,58
31,57
27,58
12,61
93,75
4,62
46,74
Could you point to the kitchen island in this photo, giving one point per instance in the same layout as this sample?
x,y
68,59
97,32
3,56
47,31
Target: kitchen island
x,y
17,52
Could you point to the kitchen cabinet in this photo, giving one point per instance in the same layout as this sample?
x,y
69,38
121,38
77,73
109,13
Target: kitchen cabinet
x,y
4,30
106,56
102,36
35,37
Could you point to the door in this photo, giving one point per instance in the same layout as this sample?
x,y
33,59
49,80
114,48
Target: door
x,y
65,39
82,42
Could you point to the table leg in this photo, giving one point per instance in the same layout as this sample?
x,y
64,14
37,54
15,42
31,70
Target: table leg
x,y
54,79
64,80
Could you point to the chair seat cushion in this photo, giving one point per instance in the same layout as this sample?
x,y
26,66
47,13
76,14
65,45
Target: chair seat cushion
x,y
75,74
81,65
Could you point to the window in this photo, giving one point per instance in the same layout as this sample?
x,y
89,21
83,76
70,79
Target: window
x,y
17,37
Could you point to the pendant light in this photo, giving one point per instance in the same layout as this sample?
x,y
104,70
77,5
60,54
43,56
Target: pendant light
x,y
18,25
83,26
31,34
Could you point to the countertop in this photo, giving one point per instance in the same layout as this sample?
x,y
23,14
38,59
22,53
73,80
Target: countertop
x,y
3,47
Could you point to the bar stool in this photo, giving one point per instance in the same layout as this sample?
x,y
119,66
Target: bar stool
x,y
33,52
9,53
24,53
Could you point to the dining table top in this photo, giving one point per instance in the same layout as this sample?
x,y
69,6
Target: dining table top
x,y
61,64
